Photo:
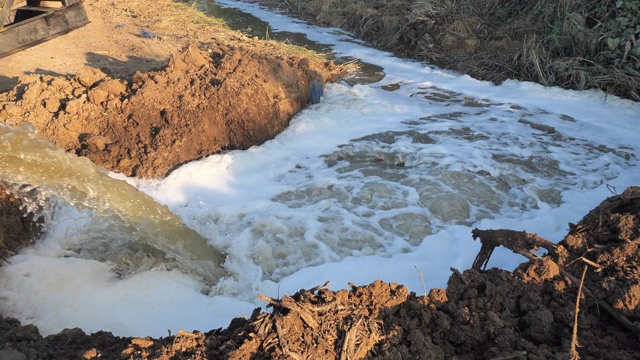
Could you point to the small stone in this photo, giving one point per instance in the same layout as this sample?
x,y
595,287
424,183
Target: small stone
x,y
113,87
74,106
52,105
71,333
495,319
33,92
12,354
88,77
127,353
77,92
141,342
12,109
100,142
61,86
91,354
59,83
97,96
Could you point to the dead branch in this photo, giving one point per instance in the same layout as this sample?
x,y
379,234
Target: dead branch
x,y
289,303
516,241
368,338
422,278
283,342
264,327
320,287
186,334
574,338
306,316
271,301
349,342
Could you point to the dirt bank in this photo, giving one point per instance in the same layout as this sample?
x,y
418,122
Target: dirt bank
x,y
495,314
228,92
18,227
573,44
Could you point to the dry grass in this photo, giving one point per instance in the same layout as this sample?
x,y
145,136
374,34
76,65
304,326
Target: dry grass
x,y
548,41
168,14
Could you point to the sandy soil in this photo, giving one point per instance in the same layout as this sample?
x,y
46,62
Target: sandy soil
x,y
143,106
493,314
112,42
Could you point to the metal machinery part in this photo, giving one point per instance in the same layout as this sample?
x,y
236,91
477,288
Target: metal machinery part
x,y
24,24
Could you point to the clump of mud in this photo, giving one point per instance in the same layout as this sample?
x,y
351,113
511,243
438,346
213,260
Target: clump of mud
x,y
19,227
494,314
609,236
206,99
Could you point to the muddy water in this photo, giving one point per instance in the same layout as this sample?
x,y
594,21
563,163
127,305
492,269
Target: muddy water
x,y
118,222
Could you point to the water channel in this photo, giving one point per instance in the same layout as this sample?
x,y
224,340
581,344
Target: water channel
x,y
388,173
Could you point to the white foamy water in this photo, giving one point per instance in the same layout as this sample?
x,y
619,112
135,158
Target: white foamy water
x,y
375,181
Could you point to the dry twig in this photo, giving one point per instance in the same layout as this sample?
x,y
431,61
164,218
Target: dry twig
x,y
516,241
348,344
289,303
574,338
424,287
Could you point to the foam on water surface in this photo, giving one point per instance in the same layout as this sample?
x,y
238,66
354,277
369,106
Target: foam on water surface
x,y
370,183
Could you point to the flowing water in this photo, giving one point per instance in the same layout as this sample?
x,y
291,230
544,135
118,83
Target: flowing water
x,y
390,171
113,222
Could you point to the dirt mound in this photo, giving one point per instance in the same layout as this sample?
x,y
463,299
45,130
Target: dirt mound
x,y
494,314
18,226
609,236
221,96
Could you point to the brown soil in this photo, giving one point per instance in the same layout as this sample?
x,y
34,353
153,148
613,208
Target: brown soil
x,y
228,92
18,227
495,314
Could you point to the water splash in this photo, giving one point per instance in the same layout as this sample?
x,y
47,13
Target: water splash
x,y
112,221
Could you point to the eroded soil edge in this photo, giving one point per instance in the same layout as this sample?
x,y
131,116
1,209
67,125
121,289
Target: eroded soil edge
x,y
218,96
